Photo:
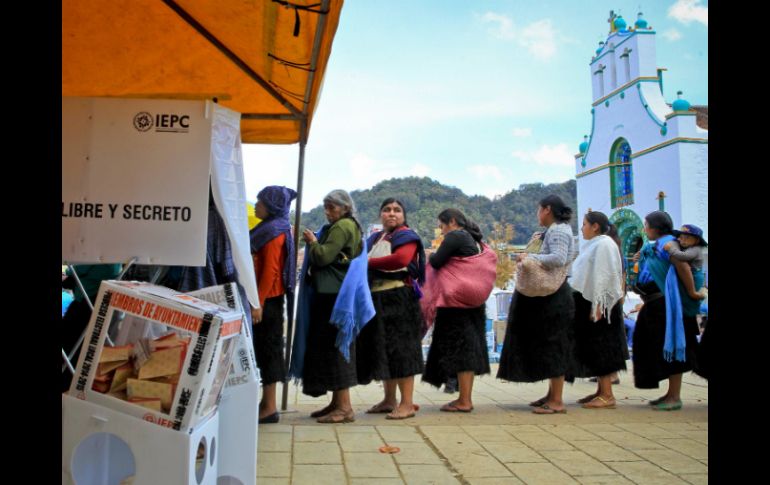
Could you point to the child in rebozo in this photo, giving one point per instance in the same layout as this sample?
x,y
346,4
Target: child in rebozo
x,y
690,250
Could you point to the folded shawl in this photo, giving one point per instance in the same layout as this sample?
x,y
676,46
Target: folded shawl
x,y
597,274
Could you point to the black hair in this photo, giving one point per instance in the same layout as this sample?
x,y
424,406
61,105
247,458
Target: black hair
x,y
612,232
391,200
596,217
605,226
661,222
473,229
560,211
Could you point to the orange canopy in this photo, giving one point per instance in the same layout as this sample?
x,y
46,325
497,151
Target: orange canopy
x,y
263,58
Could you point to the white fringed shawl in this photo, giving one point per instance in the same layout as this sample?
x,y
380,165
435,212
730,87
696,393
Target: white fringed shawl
x,y
598,275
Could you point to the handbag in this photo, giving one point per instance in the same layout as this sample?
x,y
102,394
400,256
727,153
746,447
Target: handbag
x,y
533,278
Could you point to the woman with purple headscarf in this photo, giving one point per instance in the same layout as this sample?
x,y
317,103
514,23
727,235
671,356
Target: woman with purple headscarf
x,y
272,249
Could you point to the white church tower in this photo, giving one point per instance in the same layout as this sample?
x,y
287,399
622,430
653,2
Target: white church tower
x,y
643,154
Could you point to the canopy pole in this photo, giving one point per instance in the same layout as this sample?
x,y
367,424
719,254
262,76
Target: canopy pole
x,y
297,231
303,136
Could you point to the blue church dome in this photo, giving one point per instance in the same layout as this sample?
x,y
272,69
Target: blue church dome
x,y
584,146
620,24
640,22
681,104
601,46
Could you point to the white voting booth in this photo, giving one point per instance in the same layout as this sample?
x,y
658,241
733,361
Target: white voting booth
x,y
239,407
135,187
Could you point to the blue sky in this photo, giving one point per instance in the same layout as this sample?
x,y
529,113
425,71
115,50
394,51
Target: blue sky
x,y
482,95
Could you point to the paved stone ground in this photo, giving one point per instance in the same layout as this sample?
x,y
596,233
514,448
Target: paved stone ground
x,y
500,442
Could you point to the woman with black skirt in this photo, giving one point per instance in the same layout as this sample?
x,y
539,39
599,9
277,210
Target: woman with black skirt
x,y
665,337
272,250
459,346
389,348
538,341
597,278
325,369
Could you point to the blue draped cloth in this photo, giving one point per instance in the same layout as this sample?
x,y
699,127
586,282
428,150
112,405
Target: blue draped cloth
x,y
656,266
354,306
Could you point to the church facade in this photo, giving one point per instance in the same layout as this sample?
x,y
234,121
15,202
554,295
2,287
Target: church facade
x,y
643,154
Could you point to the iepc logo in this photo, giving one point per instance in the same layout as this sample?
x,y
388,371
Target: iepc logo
x,y
163,123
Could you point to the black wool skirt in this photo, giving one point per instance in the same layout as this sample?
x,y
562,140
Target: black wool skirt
x,y
539,338
389,346
268,342
325,368
459,345
599,346
649,336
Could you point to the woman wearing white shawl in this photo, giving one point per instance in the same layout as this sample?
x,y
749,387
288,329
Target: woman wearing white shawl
x,y
597,278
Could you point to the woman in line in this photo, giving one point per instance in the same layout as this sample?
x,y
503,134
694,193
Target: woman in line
x,y
389,347
325,368
538,341
597,281
459,346
272,250
665,337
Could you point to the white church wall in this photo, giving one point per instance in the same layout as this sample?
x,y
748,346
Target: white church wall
x,y
655,172
645,50
694,175
651,95
680,170
625,117
684,126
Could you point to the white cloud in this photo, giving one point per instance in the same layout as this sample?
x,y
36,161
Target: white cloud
x,y
365,171
672,35
522,132
420,170
486,171
269,165
548,156
687,11
540,39
503,29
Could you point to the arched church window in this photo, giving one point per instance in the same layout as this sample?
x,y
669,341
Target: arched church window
x,y
621,174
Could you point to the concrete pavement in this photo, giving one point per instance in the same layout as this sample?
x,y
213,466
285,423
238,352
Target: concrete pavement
x,y
500,442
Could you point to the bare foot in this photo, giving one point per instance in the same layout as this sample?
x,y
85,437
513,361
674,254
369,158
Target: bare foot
x,y
403,412
586,399
381,407
324,411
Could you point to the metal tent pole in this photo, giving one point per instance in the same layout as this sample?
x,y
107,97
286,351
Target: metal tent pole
x,y
303,135
297,231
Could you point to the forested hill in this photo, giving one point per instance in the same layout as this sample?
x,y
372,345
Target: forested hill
x,y
425,198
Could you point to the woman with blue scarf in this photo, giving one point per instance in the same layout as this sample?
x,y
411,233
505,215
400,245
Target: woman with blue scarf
x,y
336,293
272,250
665,337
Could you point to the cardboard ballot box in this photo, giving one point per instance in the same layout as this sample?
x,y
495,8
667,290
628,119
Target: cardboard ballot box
x,y
156,354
